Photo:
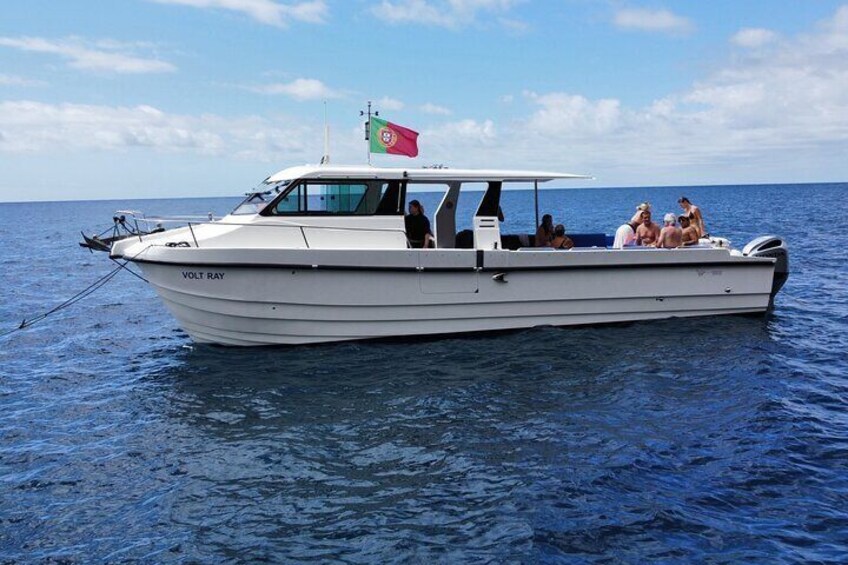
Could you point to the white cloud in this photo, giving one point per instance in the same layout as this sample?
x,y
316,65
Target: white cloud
x,y
29,126
104,56
14,80
461,133
443,13
753,37
777,114
300,89
390,104
561,112
266,12
662,21
435,109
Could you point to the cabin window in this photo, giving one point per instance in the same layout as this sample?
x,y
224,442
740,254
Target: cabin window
x,y
391,203
336,198
291,202
345,198
257,201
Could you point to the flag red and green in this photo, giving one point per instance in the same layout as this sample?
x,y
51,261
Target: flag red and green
x,y
393,139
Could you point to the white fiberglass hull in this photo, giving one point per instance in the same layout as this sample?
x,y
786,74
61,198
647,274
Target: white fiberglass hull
x,y
299,297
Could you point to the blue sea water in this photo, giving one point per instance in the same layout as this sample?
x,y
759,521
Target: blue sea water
x,y
709,440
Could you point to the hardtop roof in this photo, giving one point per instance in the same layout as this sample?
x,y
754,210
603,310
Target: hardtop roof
x,y
341,172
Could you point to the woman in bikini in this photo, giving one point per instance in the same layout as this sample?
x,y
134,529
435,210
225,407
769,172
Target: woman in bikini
x,y
694,214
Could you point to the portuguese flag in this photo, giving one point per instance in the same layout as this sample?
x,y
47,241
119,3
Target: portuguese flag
x,y
393,139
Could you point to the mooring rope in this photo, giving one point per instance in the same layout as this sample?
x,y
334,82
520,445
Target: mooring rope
x,y
87,291
127,269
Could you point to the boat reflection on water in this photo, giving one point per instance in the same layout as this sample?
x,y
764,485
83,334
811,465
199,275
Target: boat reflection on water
x,y
447,441
351,380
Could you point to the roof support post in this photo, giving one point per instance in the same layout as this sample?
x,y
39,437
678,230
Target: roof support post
x,y
536,200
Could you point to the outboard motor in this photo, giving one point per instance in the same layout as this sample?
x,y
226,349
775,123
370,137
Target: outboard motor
x,y
774,247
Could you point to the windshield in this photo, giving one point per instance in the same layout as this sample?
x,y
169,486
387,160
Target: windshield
x,y
259,198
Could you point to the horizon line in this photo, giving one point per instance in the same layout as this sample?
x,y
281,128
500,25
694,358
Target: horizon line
x,y
541,188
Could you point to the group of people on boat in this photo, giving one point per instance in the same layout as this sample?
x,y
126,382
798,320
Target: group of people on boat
x,y
677,231
686,229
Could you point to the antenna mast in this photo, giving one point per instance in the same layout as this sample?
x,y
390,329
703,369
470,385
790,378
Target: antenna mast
x,y
368,128
325,160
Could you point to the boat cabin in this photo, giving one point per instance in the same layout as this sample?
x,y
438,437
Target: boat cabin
x,y
365,206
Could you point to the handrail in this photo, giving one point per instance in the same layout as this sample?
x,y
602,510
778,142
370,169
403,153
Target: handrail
x,y
302,226
278,224
176,219
308,226
193,236
281,224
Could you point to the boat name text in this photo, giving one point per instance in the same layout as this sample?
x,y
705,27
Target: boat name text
x,y
203,275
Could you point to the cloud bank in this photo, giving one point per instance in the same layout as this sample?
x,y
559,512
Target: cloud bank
x,y
450,14
265,12
776,110
102,56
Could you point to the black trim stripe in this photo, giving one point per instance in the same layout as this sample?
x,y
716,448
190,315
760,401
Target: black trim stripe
x,y
303,266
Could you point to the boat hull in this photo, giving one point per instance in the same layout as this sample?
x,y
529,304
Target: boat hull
x,y
426,294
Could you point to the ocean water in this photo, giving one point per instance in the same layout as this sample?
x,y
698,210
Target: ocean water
x,y
708,440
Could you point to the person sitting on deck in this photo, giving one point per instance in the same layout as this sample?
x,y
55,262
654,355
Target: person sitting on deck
x,y
418,230
671,236
560,240
648,232
690,232
545,232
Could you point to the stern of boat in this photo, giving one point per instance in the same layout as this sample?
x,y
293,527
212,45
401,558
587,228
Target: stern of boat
x,y
775,248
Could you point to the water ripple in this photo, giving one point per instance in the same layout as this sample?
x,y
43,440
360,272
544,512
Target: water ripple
x,y
721,440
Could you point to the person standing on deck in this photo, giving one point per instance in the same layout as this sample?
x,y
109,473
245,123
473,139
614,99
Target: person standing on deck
x,y
694,214
418,230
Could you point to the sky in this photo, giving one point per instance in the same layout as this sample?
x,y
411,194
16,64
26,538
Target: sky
x,y
178,98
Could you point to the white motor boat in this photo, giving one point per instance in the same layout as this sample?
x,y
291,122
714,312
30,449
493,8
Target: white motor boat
x,y
320,254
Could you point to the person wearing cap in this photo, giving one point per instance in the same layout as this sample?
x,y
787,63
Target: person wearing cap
x,y
671,236
690,234
560,240
637,216
648,232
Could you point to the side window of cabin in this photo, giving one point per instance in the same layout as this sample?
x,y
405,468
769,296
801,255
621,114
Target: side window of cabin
x,y
343,198
291,202
332,198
